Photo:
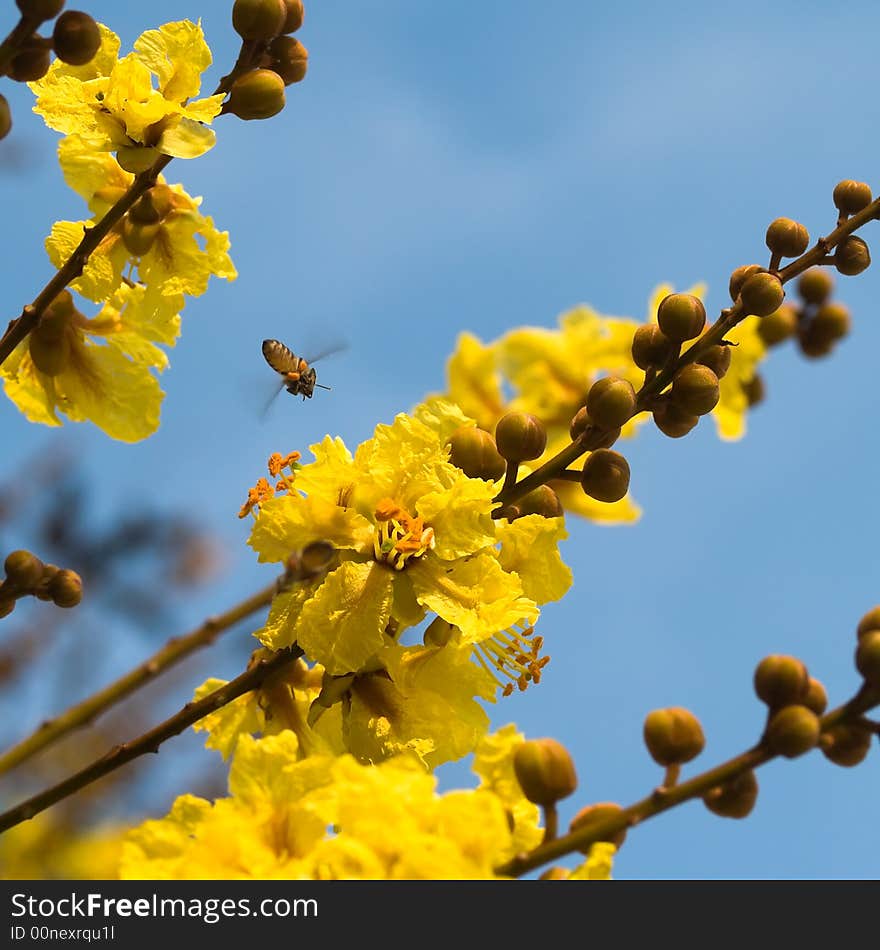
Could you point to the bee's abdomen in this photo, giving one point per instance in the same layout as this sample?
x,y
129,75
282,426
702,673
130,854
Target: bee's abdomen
x,y
279,357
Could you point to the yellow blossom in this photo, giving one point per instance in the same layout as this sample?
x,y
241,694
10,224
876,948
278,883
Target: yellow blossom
x,y
748,352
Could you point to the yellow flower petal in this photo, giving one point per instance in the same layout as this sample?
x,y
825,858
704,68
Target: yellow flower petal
x,y
750,350
178,54
530,548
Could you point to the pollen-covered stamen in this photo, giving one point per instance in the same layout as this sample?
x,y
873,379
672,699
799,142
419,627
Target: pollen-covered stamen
x,y
277,465
399,536
261,492
515,654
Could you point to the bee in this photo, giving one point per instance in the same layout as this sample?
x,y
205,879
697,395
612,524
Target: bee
x,y
297,375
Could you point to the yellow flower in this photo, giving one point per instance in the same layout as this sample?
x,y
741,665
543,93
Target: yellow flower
x,y
112,103
97,369
598,864
749,351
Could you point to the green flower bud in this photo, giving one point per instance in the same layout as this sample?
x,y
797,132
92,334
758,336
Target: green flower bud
x,y
761,294
681,317
815,285
76,38
781,681
30,63
695,390
740,276
540,501
605,475
787,237
520,437
650,346
295,16
544,770
258,19
831,322
868,657
611,401
754,390
846,744
258,94
593,814
23,570
717,358
65,588
852,256
41,9
871,621
473,451
851,197
139,238
316,558
50,356
5,117
673,421
792,731
290,59
673,736
815,698
734,799
779,325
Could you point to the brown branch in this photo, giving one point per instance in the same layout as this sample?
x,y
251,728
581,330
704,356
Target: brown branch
x,y
18,35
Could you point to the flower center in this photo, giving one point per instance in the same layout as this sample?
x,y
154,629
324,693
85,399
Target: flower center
x,y
399,536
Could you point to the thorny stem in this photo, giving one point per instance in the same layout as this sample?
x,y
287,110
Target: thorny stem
x,y
662,799
150,741
172,653
656,384
20,327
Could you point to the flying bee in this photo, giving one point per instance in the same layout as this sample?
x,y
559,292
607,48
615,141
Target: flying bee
x,y
297,375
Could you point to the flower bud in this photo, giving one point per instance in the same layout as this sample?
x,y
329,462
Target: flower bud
x,y
76,38
681,317
672,420
779,325
5,117
781,680
605,475
23,570
761,294
258,94
540,501
152,206
871,621
520,437
295,15
717,358
831,322
30,63
852,256
868,657
258,19
65,588
787,238
316,558
544,770
812,344
593,814
139,238
734,799
850,196
754,390
673,736
135,159
815,697
815,285
290,59
581,421
50,356
740,276
473,451
650,346
57,316
611,401
792,731
846,744
40,9
695,390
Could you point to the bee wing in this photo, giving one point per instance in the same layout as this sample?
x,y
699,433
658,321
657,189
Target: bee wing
x,y
279,357
270,400
329,351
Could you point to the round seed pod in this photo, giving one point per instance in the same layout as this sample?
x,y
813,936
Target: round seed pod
x,y
831,322
779,325
761,294
520,437
681,317
734,799
50,356
846,744
781,681
23,569
792,731
611,401
473,451
540,501
290,59
5,117
673,421
650,346
76,38
787,237
605,475
815,698
544,770
851,197
258,19
870,621
65,588
139,238
695,390
591,815
739,276
717,358
754,390
258,94
868,657
295,15
673,736
30,63
815,285
44,9
852,256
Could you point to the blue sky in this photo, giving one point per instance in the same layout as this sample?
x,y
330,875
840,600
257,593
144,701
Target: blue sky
x,y
485,166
